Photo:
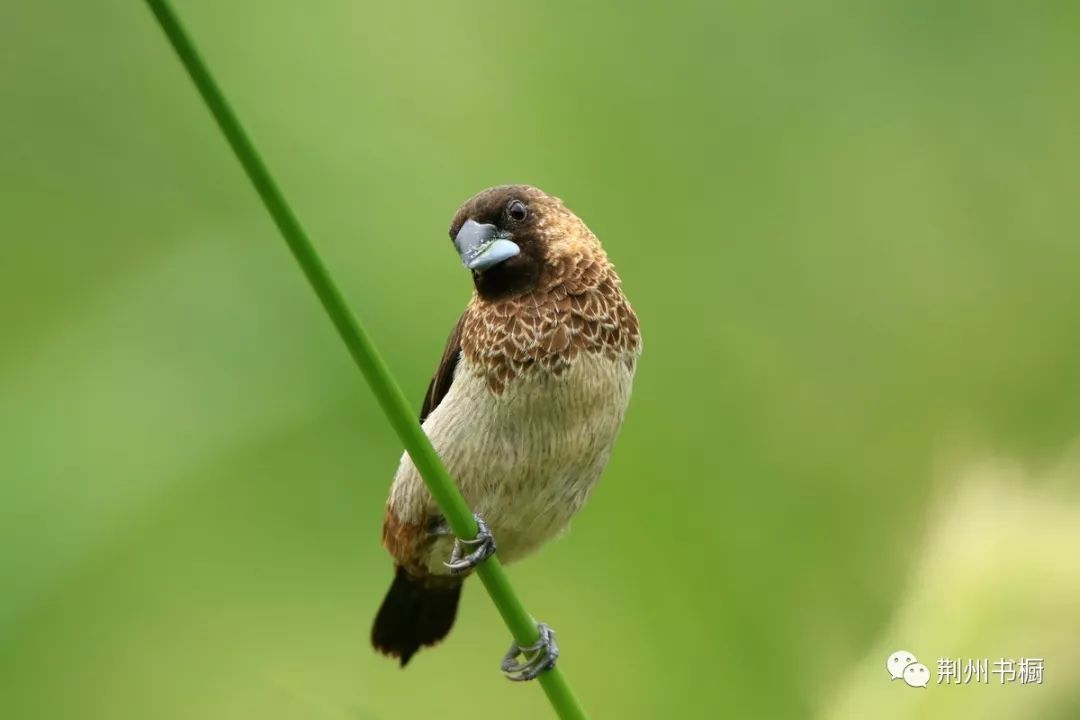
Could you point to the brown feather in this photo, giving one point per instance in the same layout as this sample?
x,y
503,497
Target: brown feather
x,y
579,307
415,613
444,374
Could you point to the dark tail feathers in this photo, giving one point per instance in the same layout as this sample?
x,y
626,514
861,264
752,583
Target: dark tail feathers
x,y
415,612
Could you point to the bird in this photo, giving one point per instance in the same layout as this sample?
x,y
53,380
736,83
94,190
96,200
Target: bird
x,y
523,410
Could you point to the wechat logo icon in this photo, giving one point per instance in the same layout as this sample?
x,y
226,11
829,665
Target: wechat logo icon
x,y
903,665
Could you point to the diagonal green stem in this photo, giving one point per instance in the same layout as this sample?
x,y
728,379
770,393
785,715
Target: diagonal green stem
x,y
386,390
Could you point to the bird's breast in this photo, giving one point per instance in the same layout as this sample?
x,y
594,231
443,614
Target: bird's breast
x,y
526,458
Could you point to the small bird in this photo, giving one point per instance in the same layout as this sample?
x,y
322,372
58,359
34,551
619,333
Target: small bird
x,y
523,410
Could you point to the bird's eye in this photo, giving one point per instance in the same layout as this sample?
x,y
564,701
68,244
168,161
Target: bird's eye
x,y
517,210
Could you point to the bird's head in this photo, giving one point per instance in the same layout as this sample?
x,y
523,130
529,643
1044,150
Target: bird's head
x,y
512,237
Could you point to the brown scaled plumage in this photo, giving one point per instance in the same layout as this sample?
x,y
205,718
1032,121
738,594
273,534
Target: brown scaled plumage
x,y
523,409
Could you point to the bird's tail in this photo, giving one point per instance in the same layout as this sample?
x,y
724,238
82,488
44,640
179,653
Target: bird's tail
x,y
416,612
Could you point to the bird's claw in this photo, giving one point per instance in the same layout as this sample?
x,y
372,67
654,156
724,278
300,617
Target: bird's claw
x,y
536,658
484,544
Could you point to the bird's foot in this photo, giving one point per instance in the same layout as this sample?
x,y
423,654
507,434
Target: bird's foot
x,y
484,544
536,658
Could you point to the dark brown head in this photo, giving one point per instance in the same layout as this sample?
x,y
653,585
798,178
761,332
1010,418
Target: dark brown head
x,y
512,236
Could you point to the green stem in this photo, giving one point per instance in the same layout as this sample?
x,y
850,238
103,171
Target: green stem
x,y
391,399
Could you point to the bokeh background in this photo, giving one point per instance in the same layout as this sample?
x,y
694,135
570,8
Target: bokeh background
x,y
850,230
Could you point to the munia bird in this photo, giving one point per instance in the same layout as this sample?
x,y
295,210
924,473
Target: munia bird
x,y
523,410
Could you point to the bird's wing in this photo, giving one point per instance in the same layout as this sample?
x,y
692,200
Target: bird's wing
x,y
444,376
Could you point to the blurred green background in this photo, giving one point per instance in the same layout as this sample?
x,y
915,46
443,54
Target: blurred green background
x,y
850,230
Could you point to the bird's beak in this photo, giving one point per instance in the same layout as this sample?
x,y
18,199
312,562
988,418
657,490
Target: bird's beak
x,y
482,245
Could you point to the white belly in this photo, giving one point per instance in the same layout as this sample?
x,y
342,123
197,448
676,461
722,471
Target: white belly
x,y
526,459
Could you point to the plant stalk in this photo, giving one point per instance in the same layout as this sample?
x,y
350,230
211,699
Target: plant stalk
x,y
386,390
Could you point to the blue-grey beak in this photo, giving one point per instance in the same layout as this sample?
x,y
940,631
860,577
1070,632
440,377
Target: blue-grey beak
x,y
483,245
